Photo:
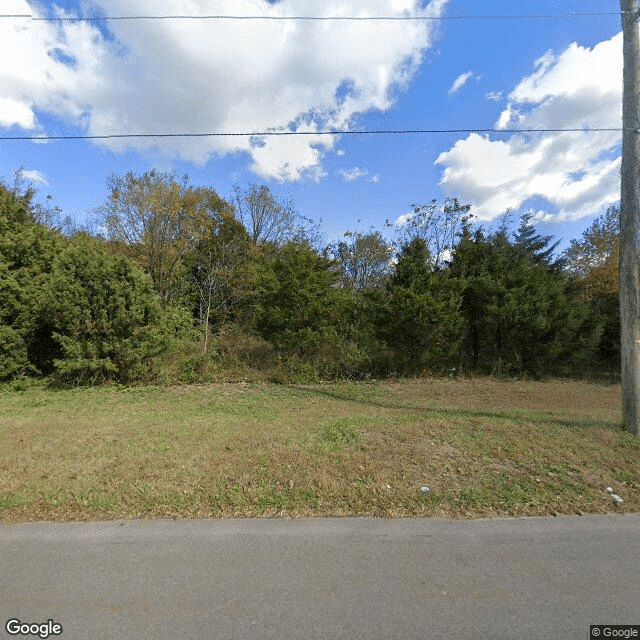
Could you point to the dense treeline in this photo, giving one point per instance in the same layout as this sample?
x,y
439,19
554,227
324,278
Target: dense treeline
x,y
179,285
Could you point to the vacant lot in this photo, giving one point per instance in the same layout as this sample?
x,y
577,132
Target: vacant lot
x,y
483,448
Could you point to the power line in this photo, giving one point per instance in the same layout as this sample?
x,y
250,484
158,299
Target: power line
x,y
577,14
335,132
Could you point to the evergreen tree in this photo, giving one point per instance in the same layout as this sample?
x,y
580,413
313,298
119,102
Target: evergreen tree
x,y
418,313
522,315
302,311
106,316
538,247
27,252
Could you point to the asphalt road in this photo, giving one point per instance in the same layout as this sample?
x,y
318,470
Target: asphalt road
x,y
357,578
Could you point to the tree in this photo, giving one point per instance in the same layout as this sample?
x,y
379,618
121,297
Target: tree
x,y
418,312
105,315
265,218
595,258
364,260
539,248
594,261
156,220
27,252
522,316
221,269
295,290
304,314
438,225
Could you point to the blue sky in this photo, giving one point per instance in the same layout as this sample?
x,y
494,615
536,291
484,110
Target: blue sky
x,y
192,76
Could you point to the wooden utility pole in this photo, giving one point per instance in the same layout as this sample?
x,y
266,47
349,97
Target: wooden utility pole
x,y
630,220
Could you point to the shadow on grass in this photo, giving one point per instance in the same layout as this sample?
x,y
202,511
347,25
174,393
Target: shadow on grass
x,y
430,412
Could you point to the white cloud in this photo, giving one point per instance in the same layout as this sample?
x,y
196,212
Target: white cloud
x,y
404,218
577,173
15,112
33,175
353,174
349,175
213,76
460,81
494,96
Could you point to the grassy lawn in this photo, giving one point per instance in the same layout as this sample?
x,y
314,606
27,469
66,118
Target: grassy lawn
x,y
483,447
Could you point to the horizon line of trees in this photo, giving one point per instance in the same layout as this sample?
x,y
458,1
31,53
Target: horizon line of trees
x,y
182,285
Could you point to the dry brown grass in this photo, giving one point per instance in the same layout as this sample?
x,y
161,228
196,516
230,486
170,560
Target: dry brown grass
x,y
484,447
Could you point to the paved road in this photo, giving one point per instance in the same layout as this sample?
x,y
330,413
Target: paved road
x,y
541,578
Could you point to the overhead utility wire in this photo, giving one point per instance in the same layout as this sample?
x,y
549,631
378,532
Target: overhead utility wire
x,y
577,14
337,132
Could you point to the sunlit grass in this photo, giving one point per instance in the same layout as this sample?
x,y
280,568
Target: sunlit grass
x,y
482,446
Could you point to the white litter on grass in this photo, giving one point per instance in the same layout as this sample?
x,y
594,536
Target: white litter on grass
x,y
615,496
425,489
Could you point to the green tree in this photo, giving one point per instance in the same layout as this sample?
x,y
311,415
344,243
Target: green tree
x,y
27,252
418,312
301,310
295,289
537,247
522,316
106,316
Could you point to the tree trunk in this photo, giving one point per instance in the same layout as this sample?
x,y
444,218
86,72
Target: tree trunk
x,y
630,221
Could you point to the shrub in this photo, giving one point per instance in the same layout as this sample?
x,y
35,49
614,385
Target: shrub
x,y
106,317
13,353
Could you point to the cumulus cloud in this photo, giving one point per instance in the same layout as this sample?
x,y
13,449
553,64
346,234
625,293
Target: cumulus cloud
x,y
576,173
191,76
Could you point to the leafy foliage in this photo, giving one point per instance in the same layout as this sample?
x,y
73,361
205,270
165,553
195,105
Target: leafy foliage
x,y
418,313
303,312
269,302
27,251
106,316
222,273
594,261
156,220
364,260
522,316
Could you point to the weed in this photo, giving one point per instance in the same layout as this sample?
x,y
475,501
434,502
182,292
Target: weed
x,y
340,434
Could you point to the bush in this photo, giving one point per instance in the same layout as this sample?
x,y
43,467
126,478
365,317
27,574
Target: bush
x,y
13,353
107,318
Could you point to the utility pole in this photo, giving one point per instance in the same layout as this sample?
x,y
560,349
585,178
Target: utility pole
x,y
630,220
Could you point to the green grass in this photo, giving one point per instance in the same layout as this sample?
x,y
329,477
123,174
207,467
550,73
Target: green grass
x,y
484,448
